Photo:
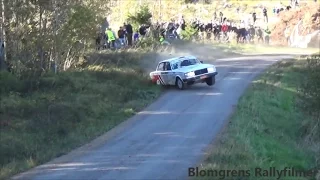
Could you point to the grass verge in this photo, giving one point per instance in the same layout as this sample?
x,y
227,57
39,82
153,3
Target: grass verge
x,y
43,118
266,129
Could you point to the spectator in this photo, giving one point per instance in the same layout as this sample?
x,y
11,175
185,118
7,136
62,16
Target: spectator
x,y
265,14
105,41
129,33
136,37
259,34
224,29
252,34
208,29
254,17
287,35
98,41
221,17
121,36
182,23
163,41
111,38
267,35
288,8
143,30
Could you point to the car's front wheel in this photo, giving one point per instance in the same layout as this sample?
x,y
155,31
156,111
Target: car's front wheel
x,y
180,84
211,81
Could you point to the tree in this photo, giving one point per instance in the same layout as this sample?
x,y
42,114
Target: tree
x,y
143,16
47,33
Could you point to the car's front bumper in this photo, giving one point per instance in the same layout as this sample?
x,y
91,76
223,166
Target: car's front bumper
x,y
200,78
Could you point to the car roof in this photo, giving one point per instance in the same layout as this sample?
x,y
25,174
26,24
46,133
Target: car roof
x,y
181,58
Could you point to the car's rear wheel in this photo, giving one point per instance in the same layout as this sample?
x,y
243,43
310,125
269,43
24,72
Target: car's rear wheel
x,y
158,82
180,84
211,81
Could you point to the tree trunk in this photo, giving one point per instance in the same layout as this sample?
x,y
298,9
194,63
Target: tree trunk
x,y
55,33
3,52
40,44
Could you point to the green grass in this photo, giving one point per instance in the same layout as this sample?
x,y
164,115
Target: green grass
x,y
265,131
47,117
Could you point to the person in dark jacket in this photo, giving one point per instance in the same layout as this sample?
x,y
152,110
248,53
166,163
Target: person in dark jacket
x,y
208,29
259,34
254,17
221,17
143,30
121,36
265,14
252,34
129,31
202,30
98,41
182,24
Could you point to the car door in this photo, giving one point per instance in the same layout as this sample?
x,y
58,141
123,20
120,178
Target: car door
x,y
166,73
174,72
170,74
162,73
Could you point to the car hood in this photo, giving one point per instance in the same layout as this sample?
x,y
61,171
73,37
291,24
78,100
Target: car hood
x,y
195,67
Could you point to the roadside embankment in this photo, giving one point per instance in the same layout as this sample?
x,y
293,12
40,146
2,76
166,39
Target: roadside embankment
x,y
276,124
45,117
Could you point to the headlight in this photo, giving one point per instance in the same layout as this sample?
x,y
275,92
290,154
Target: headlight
x,y
190,74
211,69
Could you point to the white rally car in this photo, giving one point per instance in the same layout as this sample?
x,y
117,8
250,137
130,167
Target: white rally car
x,y
182,71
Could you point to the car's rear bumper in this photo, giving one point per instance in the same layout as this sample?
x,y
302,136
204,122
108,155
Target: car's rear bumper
x,y
200,78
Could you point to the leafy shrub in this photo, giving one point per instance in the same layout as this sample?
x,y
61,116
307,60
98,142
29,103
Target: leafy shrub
x,y
143,16
188,33
310,88
311,84
9,82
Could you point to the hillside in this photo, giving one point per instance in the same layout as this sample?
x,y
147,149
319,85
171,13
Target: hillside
x,y
164,10
309,13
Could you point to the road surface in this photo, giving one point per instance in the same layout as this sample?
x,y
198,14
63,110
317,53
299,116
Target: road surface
x,y
165,139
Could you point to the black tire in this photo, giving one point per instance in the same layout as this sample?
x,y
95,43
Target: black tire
x,y
211,81
180,84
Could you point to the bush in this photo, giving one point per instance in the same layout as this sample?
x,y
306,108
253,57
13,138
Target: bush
x,y
188,33
46,116
143,16
310,88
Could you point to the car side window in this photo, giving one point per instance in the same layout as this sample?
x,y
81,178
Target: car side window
x,y
161,67
168,67
175,66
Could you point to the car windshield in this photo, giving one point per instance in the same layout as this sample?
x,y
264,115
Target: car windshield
x,y
189,62
193,61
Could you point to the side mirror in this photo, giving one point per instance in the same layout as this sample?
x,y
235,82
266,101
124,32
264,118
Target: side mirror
x,y
201,62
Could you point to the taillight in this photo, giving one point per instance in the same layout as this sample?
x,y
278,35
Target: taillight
x,y
154,78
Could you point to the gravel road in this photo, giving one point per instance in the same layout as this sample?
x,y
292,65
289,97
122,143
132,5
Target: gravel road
x,y
165,139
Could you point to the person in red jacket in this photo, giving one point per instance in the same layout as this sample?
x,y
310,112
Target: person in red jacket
x,y
224,30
